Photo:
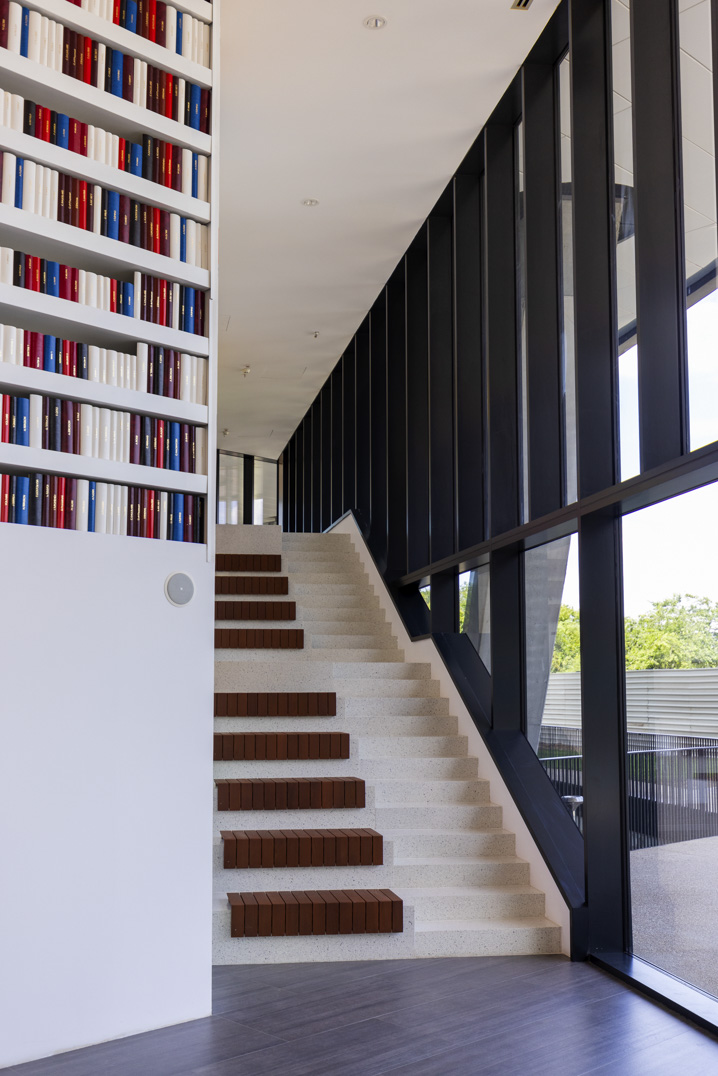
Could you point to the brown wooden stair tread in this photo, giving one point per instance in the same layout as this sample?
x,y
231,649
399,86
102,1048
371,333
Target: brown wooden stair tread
x,y
224,610
290,793
248,562
322,911
279,746
275,704
255,848
259,638
251,584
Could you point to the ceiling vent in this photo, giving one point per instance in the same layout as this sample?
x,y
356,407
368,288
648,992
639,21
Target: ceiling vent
x,y
521,5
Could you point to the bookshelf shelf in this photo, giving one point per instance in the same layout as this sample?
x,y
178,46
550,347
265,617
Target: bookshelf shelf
x,y
16,459
45,313
200,9
103,30
141,190
48,238
87,103
21,379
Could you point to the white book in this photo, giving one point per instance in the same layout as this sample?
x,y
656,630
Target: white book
x,y
133,372
97,209
143,84
110,520
121,370
115,151
141,368
105,305
137,84
91,141
101,508
123,510
138,294
201,450
103,365
54,193
193,366
93,357
6,265
6,107
187,36
91,289
125,455
86,429
83,504
187,171
191,244
34,35
195,40
186,378
28,186
11,353
9,170
202,178
45,41
175,306
100,140
171,25
2,342
202,371
82,287
47,193
175,229
117,510
101,64
93,7
105,433
164,501
35,420
95,433
59,44
17,112
181,90
115,423
204,236
111,367
39,190
14,27
207,45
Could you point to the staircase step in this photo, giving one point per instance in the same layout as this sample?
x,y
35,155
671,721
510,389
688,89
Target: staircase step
x,y
466,816
413,746
358,706
251,611
251,584
275,704
368,616
339,911
289,793
487,937
346,817
248,562
471,902
353,641
430,769
310,540
259,638
267,848
420,843
360,600
411,873
431,792
278,746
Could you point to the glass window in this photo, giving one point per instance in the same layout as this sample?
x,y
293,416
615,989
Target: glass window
x,y
568,337
699,215
553,665
265,492
426,594
521,342
671,632
230,502
475,610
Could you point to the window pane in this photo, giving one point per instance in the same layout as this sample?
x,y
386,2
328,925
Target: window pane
x,y
671,609
553,664
475,610
699,213
265,492
230,502
568,339
521,343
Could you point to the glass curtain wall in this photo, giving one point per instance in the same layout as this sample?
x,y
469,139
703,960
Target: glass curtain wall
x,y
230,499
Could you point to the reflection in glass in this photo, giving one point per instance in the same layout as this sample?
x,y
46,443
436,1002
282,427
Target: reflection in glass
x,y
230,500
475,610
521,341
699,214
553,664
671,631
568,339
265,492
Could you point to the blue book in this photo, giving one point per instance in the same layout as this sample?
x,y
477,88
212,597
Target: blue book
x,y
175,446
136,159
25,31
19,173
183,239
22,426
131,16
113,215
179,33
194,106
63,130
53,279
91,506
178,518
195,175
49,356
22,499
189,310
117,72
128,300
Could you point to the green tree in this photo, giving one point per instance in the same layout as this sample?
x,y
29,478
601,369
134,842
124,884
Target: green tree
x,y
567,648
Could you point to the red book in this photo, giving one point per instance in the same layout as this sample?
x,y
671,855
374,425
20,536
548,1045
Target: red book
x,y
121,155
113,295
178,372
4,4
75,137
68,427
169,96
150,102
165,233
156,229
131,511
153,20
63,358
128,77
205,118
177,169
61,178
26,347
65,282
79,71
158,514
66,51
135,438
162,320
124,232
159,95
4,498
75,284
82,205
39,121
160,441
185,446
169,165
188,517
158,157
83,139
36,351
116,12
78,426
87,66
5,429
35,272
72,368
71,504
143,513
60,511
150,513
46,134
161,32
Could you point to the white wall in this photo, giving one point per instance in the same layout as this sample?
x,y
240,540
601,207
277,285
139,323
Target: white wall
x,y
105,789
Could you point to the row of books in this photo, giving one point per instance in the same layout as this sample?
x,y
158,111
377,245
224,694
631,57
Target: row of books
x,y
149,158
156,370
149,298
49,43
101,433
79,504
55,195
156,21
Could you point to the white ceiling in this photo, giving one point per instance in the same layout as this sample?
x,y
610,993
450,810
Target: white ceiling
x,y
372,123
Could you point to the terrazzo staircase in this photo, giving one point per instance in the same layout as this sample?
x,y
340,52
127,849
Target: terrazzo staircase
x,y
443,849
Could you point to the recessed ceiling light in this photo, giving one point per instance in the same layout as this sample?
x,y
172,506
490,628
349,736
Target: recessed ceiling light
x,y
375,22
311,202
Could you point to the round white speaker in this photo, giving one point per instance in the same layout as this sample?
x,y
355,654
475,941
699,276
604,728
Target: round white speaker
x,y
179,589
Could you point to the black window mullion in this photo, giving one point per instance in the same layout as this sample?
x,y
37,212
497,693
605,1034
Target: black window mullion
x,y
307,455
349,426
337,443
298,506
286,464
363,420
396,432
378,431
248,489
317,463
441,387
417,400
541,207
326,457
660,271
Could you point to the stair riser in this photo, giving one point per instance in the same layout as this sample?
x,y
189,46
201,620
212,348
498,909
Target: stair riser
x,y
403,726
394,794
282,656
323,542
339,615
430,769
362,708
351,641
496,940
280,879
471,843
487,816
301,675
382,747
479,905
431,875
334,818
321,603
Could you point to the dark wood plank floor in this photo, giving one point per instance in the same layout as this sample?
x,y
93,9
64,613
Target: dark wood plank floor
x,y
494,1016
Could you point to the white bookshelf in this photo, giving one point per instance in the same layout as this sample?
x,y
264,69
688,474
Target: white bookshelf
x,y
49,239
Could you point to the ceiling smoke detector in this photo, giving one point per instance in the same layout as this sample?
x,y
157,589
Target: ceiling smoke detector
x,y
521,5
245,370
377,22
310,202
